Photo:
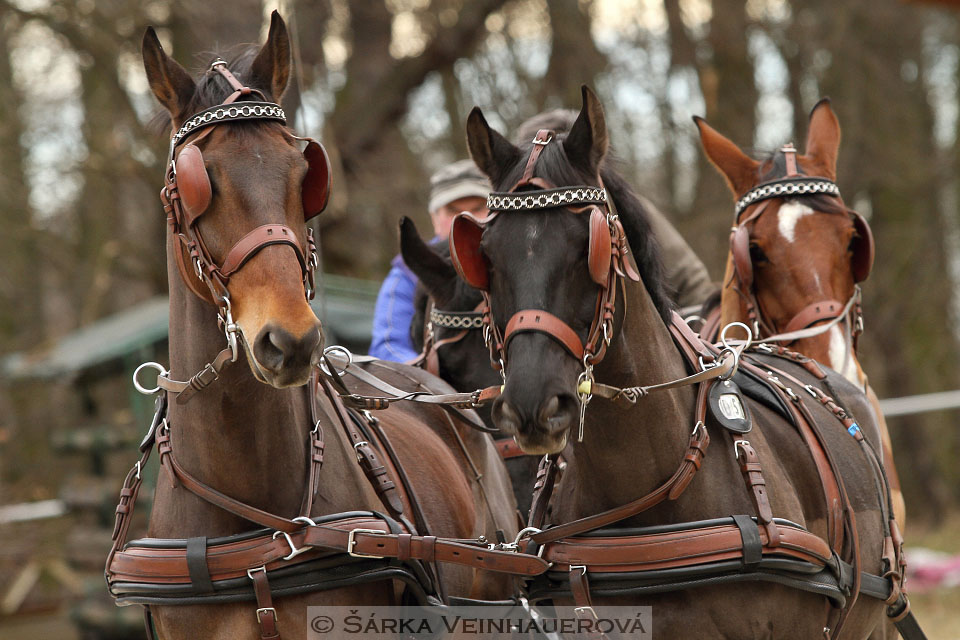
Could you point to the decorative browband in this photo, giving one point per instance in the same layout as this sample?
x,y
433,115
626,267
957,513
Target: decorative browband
x,y
799,186
223,113
457,319
546,199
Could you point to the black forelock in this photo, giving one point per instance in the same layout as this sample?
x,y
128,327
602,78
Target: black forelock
x,y
213,88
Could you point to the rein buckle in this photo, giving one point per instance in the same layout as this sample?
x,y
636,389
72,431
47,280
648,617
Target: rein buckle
x,y
352,542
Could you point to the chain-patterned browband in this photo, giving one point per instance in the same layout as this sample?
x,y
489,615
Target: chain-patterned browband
x,y
799,186
546,199
233,112
457,319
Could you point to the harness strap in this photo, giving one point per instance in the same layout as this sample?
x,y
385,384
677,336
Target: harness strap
x,y
266,613
376,472
671,489
541,140
199,381
547,473
580,589
753,476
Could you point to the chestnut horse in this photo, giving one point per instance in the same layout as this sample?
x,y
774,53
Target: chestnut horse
x,y
805,251
246,434
535,265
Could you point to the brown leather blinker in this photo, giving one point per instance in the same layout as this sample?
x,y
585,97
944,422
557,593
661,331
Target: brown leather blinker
x,y
861,261
600,251
465,252
193,181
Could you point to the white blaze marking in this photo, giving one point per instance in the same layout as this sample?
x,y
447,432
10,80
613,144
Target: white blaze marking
x,y
788,216
841,360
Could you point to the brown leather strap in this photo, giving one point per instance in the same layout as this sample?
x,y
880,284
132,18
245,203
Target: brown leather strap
x,y
790,155
813,313
225,502
255,240
757,486
672,488
185,390
547,472
266,613
580,589
376,473
544,322
541,140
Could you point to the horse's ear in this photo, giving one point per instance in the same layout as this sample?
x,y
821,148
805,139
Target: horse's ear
x,y
271,67
738,168
170,82
586,144
823,138
493,153
436,274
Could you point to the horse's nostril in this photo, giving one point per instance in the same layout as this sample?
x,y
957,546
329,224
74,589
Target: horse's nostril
x,y
558,412
276,349
550,408
271,348
506,418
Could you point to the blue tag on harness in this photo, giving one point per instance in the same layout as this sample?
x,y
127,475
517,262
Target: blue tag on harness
x,y
854,429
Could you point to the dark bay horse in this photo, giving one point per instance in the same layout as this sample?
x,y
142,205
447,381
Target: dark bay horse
x,y
805,258
538,264
248,430
461,358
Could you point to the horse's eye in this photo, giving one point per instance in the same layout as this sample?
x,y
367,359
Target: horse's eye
x,y
854,239
757,256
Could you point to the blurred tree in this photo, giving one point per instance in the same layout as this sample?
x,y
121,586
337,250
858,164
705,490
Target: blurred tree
x,y
20,280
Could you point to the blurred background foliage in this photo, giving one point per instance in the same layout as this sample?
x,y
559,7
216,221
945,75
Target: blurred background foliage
x,y
386,84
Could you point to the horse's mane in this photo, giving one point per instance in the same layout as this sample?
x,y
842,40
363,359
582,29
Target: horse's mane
x,y
554,166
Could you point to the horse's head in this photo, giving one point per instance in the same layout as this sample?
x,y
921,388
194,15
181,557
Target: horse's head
x,y
239,191
462,357
797,253
543,265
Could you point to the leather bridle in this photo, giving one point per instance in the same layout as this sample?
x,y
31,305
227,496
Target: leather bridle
x,y
795,184
607,259
187,194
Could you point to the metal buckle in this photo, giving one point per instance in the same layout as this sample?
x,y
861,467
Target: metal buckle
x,y
537,140
579,611
352,542
263,610
736,450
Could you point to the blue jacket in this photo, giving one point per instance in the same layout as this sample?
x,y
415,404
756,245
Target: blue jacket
x,y
393,313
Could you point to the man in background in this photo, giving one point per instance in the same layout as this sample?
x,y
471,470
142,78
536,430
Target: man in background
x,y
457,187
